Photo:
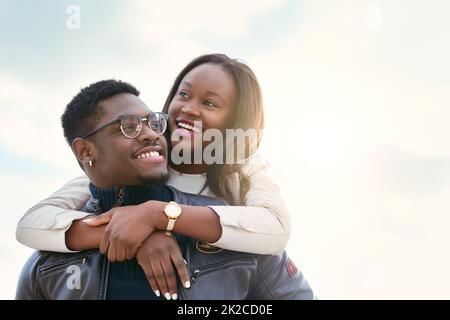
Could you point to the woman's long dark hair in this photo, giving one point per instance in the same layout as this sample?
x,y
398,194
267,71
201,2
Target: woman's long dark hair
x,y
248,114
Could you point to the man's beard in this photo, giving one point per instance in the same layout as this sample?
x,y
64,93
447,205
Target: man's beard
x,y
155,182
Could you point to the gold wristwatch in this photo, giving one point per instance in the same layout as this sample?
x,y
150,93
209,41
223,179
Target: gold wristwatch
x,y
173,211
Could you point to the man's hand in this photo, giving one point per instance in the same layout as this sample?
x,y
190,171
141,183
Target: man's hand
x,y
157,256
127,229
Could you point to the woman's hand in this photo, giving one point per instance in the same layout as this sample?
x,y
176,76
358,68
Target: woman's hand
x,y
157,256
127,229
101,219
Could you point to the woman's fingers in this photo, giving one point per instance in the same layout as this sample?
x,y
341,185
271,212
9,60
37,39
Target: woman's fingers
x,y
121,254
112,252
130,253
104,245
160,278
99,220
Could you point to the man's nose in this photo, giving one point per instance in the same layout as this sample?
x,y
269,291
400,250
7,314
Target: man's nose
x,y
147,134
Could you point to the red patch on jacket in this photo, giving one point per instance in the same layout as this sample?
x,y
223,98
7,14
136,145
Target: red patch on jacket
x,y
291,268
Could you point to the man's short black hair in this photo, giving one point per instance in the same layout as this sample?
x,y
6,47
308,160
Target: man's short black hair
x,y
82,113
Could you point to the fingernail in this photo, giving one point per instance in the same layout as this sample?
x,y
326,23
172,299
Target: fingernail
x,y
87,220
174,296
157,293
187,284
185,261
167,295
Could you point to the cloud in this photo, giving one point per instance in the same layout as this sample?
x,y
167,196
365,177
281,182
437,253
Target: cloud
x,y
165,22
166,34
336,91
30,126
411,175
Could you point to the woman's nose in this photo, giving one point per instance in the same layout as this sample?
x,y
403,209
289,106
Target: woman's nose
x,y
191,109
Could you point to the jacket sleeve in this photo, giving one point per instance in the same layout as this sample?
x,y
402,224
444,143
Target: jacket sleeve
x,y
27,286
263,225
44,225
277,278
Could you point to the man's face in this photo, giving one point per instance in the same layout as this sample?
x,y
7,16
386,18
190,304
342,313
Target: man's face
x,y
118,159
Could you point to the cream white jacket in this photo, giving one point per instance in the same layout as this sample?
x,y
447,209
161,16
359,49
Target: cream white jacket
x,y
261,226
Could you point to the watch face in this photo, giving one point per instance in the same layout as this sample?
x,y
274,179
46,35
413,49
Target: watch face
x,y
172,210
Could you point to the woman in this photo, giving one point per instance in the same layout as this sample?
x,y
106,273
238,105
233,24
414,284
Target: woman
x,y
221,93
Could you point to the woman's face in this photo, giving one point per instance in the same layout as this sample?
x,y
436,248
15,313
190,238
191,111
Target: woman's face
x,y
206,94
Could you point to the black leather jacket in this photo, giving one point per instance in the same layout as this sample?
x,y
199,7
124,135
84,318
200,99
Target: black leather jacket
x,y
222,275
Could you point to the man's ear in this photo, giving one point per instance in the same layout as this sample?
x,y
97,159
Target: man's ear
x,y
83,150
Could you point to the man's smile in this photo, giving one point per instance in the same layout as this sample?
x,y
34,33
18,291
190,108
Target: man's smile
x,y
151,154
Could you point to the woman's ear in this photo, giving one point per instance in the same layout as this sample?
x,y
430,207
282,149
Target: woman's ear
x,y
83,150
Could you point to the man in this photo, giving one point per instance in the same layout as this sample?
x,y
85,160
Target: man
x,y
126,163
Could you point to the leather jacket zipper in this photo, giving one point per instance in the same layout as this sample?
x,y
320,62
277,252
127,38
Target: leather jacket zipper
x,y
199,271
59,265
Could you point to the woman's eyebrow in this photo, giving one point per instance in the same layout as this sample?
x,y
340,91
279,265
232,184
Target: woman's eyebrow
x,y
212,93
187,84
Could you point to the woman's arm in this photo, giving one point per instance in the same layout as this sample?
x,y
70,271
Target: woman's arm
x,y
195,222
127,227
263,225
80,236
43,226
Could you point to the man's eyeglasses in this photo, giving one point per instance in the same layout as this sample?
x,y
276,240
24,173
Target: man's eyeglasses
x,y
131,125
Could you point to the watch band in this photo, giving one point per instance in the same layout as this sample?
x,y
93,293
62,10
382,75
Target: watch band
x,y
170,226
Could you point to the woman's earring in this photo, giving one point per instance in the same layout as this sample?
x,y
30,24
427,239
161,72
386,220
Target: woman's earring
x,y
91,163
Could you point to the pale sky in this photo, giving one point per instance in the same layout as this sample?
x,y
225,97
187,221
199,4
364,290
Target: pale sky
x,y
357,104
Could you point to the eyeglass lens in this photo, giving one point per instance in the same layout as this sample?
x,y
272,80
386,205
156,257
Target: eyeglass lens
x,y
132,125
